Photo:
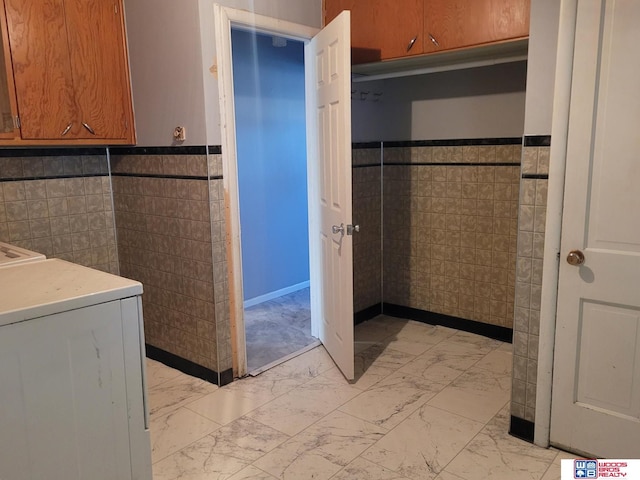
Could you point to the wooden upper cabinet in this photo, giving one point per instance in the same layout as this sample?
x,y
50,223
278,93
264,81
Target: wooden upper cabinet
x,y
384,29
452,24
97,49
70,68
8,107
381,29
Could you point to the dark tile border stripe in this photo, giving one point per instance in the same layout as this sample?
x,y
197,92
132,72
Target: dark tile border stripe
x,y
522,429
536,176
367,314
51,152
184,150
537,140
453,164
53,177
155,175
367,165
456,142
363,145
496,332
188,367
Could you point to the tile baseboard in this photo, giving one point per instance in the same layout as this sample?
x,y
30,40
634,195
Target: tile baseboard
x,y
522,429
187,366
367,313
495,332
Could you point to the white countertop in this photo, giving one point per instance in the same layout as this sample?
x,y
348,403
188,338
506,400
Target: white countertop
x,y
33,290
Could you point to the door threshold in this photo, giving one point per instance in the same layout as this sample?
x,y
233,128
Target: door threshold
x,y
258,371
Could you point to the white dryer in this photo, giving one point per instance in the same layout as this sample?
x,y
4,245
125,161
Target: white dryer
x,y
11,255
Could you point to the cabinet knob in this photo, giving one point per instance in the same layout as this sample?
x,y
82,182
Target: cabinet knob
x,y
66,130
412,42
433,40
85,125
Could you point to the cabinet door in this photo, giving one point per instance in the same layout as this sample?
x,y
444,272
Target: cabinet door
x,y
63,397
450,24
100,69
381,29
8,107
42,69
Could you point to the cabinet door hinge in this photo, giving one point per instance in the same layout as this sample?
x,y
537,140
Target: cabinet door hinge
x,y
16,122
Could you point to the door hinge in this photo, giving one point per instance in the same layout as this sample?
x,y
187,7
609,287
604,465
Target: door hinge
x,y
16,122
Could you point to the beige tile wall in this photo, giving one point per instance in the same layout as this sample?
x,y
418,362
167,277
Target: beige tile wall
x,y
60,206
450,230
170,237
367,213
531,225
219,259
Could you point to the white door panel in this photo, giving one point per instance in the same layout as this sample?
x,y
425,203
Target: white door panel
x,y
328,64
596,385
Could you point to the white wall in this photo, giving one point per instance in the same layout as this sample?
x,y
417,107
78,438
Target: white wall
x,y
165,61
472,103
269,86
172,49
545,16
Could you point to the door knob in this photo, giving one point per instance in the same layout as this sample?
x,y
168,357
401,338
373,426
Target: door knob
x,y
351,229
575,258
338,229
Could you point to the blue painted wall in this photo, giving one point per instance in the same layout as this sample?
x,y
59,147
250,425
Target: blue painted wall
x,y
272,169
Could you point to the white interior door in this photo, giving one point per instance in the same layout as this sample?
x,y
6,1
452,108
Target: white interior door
x,y
328,73
596,383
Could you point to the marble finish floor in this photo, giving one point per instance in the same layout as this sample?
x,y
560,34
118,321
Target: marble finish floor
x,y
277,328
428,403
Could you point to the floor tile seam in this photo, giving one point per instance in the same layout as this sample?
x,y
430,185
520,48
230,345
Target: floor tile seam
x,y
487,369
184,448
510,374
238,393
395,373
186,407
414,408
289,437
460,372
404,420
193,442
445,385
255,466
207,418
154,387
178,405
552,462
484,433
292,437
469,418
342,404
495,375
468,442
392,366
349,382
390,346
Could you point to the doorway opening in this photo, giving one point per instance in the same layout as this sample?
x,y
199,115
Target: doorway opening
x,y
270,125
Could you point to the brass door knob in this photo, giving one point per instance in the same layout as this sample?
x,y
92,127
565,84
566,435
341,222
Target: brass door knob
x,y
575,258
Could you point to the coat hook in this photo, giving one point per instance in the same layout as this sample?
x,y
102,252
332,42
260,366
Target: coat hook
x,y
363,95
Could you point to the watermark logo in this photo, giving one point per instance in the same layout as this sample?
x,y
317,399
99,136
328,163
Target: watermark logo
x,y
585,469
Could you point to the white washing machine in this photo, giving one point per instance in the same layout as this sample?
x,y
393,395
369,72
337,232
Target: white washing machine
x,y
11,255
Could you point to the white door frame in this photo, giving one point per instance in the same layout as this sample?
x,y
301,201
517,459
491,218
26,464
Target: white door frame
x,y
225,19
553,227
